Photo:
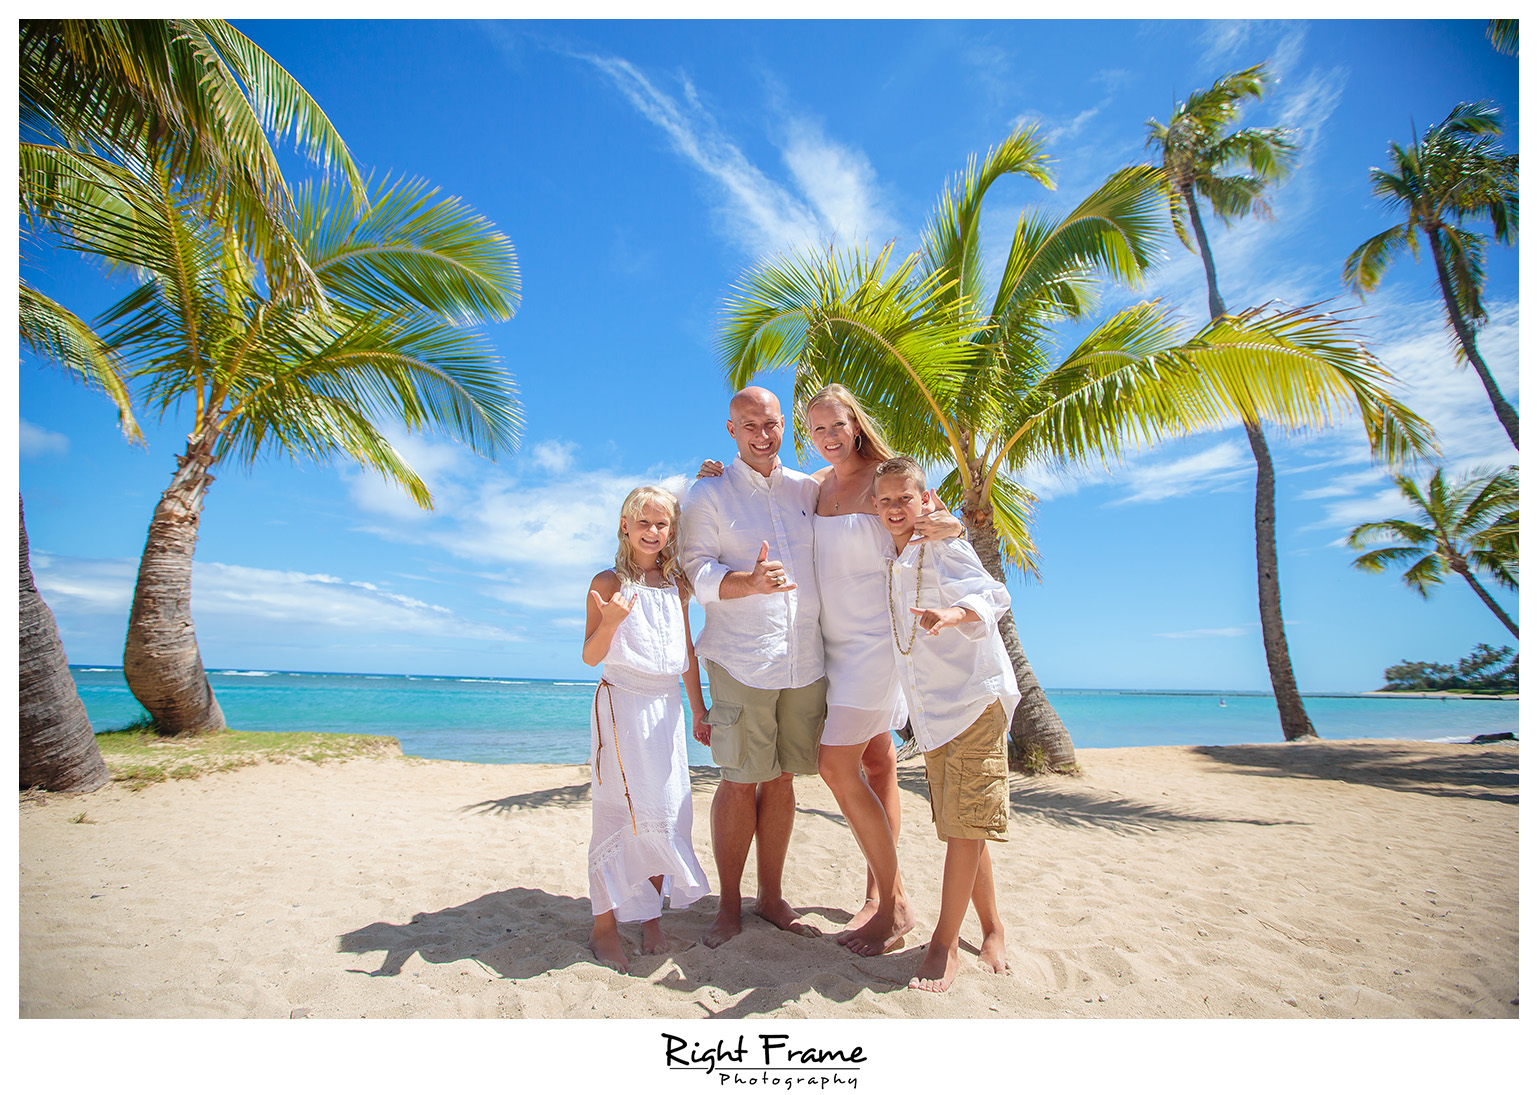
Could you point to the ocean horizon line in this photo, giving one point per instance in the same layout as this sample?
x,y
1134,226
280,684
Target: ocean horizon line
x,y
1088,690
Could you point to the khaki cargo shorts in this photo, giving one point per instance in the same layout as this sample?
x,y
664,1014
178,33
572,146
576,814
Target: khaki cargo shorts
x,y
758,733
969,781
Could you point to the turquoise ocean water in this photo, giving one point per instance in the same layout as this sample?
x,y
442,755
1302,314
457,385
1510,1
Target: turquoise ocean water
x,y
511,721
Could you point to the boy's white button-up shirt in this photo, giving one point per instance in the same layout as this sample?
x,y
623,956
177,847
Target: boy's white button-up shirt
x,y
764,640
949,679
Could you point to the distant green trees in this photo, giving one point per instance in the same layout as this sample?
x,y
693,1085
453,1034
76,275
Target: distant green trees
x,y
1486,669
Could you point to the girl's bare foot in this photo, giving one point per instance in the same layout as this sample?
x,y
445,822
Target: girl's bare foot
x,y
992,953
937,970
653,941
608,948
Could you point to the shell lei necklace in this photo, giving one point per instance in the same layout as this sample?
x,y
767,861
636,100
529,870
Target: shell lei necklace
x,y
892,608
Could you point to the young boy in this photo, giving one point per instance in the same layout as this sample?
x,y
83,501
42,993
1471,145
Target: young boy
x,y
961,692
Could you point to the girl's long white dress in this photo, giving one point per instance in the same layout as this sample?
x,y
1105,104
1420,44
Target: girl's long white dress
x,y
643,816
864,697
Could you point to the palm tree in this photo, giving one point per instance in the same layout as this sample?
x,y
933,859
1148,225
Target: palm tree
x,y
1195,148
1466,527
967,375
195,92
262,372
1503,35
95,95
58,750
1455,171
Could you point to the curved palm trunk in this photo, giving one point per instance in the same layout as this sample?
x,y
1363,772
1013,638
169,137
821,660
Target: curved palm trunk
x,y
1036,728
1215,305
1465,333
1284,686
1289,702
58,749
160,657
1457,563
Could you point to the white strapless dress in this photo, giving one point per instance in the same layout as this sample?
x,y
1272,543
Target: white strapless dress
x,y
864,697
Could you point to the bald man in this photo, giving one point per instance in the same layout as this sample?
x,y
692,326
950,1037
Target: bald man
x,y
746,545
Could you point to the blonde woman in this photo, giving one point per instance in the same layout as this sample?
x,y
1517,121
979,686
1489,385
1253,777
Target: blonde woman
x,y
643,817
857,758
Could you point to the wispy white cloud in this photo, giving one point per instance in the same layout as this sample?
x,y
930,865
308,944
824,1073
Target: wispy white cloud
x,y
252,596
1220,467
838,200
554,456
35,441
1207,633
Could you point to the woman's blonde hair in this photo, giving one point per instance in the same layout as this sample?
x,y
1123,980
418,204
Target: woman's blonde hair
x,y
624,559
870,442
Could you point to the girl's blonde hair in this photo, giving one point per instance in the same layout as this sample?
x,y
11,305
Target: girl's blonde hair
x,y
870,443
624,559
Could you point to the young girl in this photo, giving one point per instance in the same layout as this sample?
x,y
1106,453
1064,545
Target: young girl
x,y
638,626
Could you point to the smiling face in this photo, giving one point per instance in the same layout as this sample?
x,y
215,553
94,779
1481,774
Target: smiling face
x,y
833,431
758,427
648,532
899,502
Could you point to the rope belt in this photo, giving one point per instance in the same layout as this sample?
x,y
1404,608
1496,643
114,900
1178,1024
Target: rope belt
x,y
598,755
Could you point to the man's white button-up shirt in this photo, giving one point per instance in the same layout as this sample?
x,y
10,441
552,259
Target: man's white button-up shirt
x,y
949,679
764,640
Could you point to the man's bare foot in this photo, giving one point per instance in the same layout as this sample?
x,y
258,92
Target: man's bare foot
x,y
859,919
883,932
653,940
779,913
609,949
728,922
992,953
937,970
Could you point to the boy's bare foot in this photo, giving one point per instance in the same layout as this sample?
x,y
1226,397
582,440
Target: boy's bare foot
x,y
937,970
883,932
609,949
728,923
992,953
653,940
859,919
779,913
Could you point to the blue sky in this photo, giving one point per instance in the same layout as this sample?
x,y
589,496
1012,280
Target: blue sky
x,y
640,169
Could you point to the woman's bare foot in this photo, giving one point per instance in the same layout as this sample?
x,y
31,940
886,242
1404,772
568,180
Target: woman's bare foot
x,y
937,970
653,940
779,913
859,919
882,932
992,953
608,948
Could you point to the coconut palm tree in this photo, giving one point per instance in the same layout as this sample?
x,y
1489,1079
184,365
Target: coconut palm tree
x,y
968,375
261,371
1462,528
195,92
1503,35
96,95
1195,148
58,750
1454,172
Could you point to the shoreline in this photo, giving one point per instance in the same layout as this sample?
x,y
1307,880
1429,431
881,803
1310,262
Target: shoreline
x,y
1373,879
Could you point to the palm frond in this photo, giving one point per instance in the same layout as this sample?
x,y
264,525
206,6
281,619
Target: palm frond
x,y
54,332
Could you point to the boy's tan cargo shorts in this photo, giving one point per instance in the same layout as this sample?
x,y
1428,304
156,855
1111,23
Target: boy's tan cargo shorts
x,y
969,781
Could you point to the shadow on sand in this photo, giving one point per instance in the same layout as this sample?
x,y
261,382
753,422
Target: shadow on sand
x,y
1486,772
521,933
1067,803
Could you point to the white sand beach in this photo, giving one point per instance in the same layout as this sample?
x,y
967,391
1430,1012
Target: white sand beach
x,y
1334,879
